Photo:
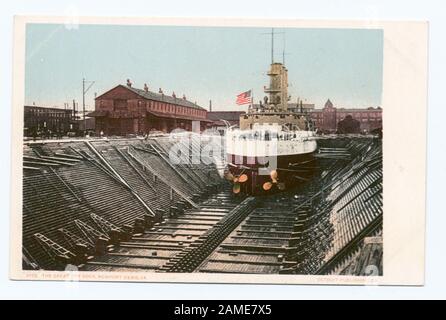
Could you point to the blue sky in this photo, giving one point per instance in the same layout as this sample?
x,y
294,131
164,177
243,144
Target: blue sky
x,y
205,63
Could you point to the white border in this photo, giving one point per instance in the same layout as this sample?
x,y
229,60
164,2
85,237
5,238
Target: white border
x,y
404,119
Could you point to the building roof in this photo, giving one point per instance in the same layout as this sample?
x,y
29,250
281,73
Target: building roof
x,y
225,115
98,113
304,105
328,104
52,109
293,105
348,110
177,116
358,109
127,114
149,95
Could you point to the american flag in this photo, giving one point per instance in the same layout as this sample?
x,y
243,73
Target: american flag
x,y
244,98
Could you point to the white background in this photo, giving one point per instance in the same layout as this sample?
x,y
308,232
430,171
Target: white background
x,y
432,11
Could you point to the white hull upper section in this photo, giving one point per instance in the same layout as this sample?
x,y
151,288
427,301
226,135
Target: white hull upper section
x,y
269,140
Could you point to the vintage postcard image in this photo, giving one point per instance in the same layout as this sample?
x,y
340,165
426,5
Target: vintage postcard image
x,y
244,151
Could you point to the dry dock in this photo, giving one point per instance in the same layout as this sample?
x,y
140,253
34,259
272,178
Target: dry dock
x,y
122,205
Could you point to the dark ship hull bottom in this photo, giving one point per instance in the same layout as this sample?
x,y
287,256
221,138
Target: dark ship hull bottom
x,y
290,171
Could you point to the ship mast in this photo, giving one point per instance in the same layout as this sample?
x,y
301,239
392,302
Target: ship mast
x,y
283,52
274,109
272,45
278,88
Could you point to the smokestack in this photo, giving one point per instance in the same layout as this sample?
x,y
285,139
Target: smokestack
x,y
146,87
210,105
129,83
160,91
173,94
184,96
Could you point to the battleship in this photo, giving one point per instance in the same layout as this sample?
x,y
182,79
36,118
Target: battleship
x,y
273,148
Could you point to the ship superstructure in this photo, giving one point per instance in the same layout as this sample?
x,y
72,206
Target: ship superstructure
x,y
273,148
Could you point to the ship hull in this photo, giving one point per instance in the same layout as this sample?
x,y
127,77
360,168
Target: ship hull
x,y
290,170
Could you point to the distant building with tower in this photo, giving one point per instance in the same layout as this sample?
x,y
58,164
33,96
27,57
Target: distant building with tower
x,y
328,118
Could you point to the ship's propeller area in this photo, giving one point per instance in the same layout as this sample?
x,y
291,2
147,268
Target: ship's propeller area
x,y
274,181
267,185
229,176
274,175
243,178
237,180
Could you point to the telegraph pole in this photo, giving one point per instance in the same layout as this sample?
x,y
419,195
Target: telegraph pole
x,y
84,91
83,105
74,109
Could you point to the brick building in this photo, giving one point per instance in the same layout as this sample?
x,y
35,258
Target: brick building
x,y
327,119
126,110
43,121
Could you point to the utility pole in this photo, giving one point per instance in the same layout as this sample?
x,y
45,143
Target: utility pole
x,y
74,110
84,91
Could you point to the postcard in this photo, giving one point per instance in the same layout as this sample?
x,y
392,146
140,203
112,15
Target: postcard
x,y
218,150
